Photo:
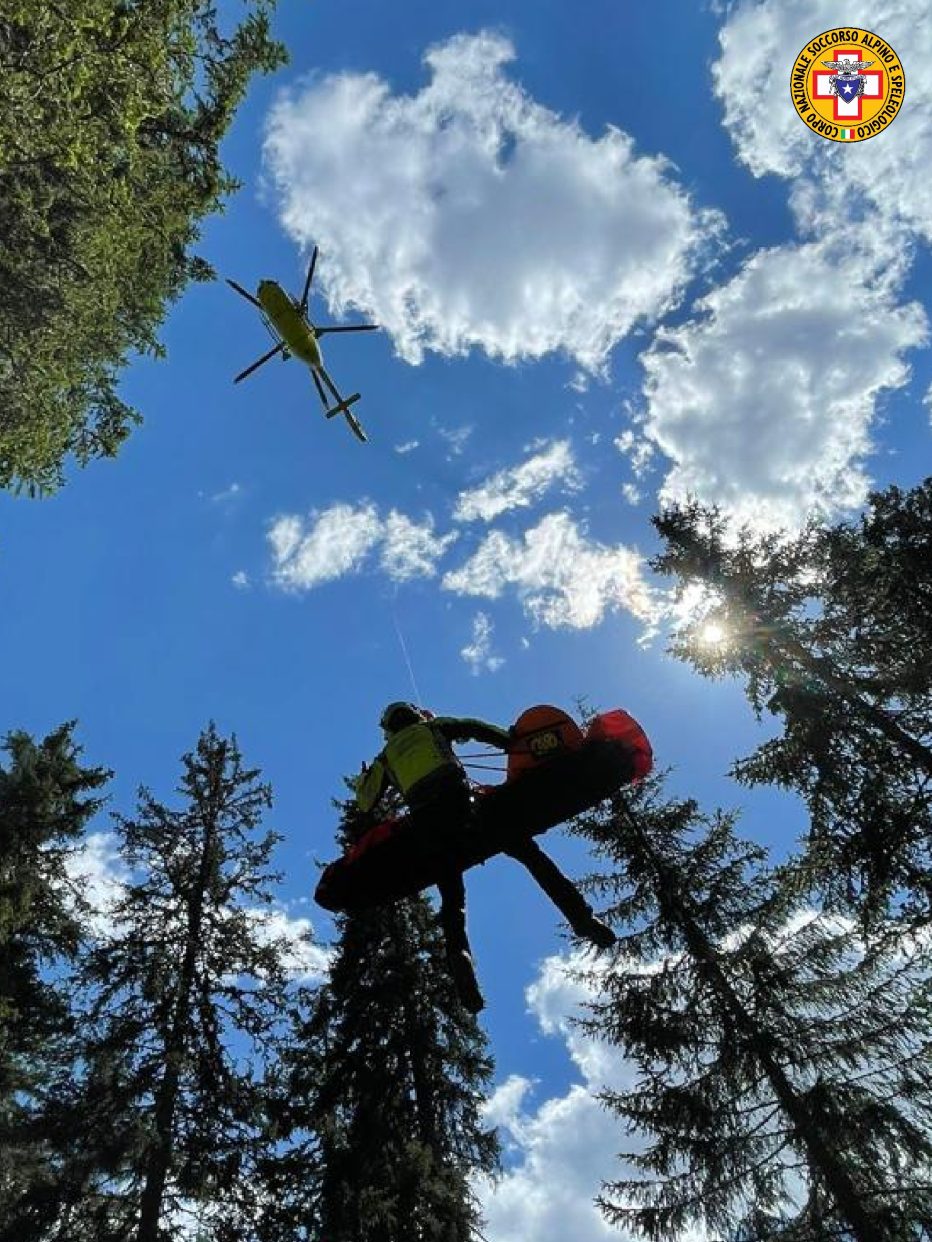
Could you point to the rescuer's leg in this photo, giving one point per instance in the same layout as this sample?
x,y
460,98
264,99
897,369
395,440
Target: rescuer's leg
x,y
562,892
459,958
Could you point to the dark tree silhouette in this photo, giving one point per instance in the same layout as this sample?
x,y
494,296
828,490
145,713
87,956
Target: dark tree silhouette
x,y
784,1065
380,1093
46,798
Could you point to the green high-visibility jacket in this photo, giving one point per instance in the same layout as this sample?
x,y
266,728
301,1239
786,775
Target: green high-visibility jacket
x,y
420,751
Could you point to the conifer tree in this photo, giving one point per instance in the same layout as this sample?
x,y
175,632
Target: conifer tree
x,y
46,798
186,993
830,630
381,1092
784,1065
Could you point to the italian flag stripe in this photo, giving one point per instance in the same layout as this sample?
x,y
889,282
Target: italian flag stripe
x,y
847,133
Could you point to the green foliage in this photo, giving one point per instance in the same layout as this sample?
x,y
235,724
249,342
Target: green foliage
x,y
381,1093
111,115
830,631
783,1064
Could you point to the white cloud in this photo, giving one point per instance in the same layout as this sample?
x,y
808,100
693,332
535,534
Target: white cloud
x,y
407,447
334,542
410,550
303,959
765,401
562,577
518,486
226,495
456,438
760,41
638,450
478,653
240,579
469,215
97,872
562,1148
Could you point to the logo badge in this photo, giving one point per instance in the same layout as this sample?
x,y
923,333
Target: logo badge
x,y
847,84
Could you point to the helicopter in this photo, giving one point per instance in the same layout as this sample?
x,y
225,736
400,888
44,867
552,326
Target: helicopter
x,y
287,321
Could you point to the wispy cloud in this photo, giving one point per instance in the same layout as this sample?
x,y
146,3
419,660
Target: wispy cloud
x,y
456,438
226,494
470,215
478,652
518,486
334,542
411,549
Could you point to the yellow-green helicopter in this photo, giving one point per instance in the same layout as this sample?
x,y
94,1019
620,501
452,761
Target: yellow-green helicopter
x,y
286,319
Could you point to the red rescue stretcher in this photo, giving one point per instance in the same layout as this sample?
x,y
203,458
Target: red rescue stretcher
x,y
555,771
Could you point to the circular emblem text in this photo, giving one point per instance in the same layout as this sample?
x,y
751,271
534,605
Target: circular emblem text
x,y
847,84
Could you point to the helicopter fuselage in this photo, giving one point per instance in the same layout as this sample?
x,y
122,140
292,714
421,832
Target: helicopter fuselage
x,y
286,320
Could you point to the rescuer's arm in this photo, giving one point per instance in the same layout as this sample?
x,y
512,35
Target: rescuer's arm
x,y
369,785
466,728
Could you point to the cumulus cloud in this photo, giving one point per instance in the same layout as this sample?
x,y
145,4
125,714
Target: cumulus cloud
x,y
304,960
561,1148
478,653
518,486
759,43
562,577
240,579
334,542
469,215
97,872
764,402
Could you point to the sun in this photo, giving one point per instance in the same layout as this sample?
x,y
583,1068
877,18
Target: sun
x,y
713,634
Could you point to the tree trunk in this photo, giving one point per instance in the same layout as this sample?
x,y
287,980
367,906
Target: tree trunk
x,y
160,1155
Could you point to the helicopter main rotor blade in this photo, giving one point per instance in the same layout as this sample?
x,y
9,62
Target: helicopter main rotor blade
x,y
351,327
243,293
255,366
307,283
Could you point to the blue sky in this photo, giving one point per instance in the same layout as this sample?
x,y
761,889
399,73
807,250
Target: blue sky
x,y
613,267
